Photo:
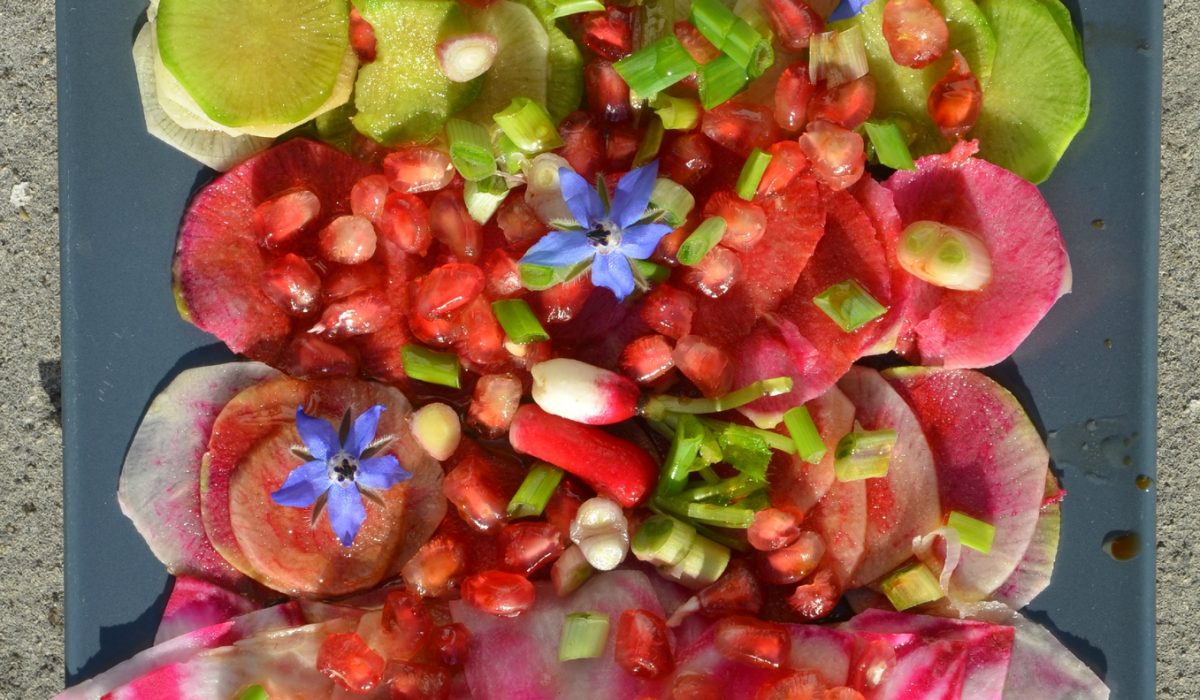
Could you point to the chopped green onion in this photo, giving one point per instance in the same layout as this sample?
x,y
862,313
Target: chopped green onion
x,y
849,305
535,491
651,272
703,239
470,149
529,126
973,533
584,636
837,57
705,471
518,321
756,501
254,692
570,571
656,67
673,200
566,8
735,399
864,455
746,450
539,277
728,490
701,566
733,36
509,158
890,147
719,80
427,365
720,516
751,13
483,198
911,586
783,443
651,143
945,256
710,447
803,430
677,113
689,433
662,540
752,174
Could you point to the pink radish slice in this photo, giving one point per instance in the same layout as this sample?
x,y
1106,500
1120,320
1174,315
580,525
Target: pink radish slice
x,y
195,604
159,488
1032,574
879,204
283,662
517,658
796,483
991,465
1043,669
1030,269
841,520
899,505
185,647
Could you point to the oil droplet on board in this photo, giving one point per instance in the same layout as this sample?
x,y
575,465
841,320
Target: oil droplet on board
x,y
1144,482
1123,546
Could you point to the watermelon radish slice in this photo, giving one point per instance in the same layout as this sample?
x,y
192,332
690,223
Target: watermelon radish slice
x,y
879,204
159,487
798,484
183,648
1043,669
1032,574
219,263
899,506
841,520
517,657
249,458
195,604
1030,269
991,465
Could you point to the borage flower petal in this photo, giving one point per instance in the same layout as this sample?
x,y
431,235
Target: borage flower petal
x,y
613,271
639,242
319,436
633,193
362,431
381,472
560,249
581,198
848,8
346,511
304,485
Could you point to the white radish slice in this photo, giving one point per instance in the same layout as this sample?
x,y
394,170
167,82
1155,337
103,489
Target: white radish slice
x,y
195,604
1041,668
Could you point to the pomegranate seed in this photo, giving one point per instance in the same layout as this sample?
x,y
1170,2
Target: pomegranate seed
x,y
437,567
699,48
695,686
915,31
716,273
564,504
348,240
609,33
483,344
607,93
740,127
687,159
561,303
362,37
752,641
873,664
736,592
405,223
498,593
368,195
519,222
792,95
836,154
438,333
669,311
668,246
794,21
474,487
955,101
292,284
797,685
309,357
407,625
648,359
817,598
448,288
357,314
342,281
745,222
704,364
643,648
502,274
451,641
842,693
848,105
453,226
380,352
413,681
794,561
349,662
496,399
787,161
416,169
529,546
621,146
280,221
608,464
773,528
583,146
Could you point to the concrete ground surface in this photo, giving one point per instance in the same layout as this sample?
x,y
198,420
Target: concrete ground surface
x,y
31,632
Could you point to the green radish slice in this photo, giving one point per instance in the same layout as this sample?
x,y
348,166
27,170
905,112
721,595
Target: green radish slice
x,y
1062,17
254,62
902,91
564,89
403,96
520,69
216,149
1039,96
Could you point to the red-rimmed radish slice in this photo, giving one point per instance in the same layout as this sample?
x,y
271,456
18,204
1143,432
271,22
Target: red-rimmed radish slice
x,y
195,604
1032,574
159,488
1041,668
468,56
798,484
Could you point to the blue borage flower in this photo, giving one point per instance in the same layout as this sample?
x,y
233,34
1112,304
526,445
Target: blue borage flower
x,y
341,468
608,233
848,8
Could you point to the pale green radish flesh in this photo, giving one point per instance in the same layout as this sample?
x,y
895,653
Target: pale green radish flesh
x,y
520,69
1062,17
1039,95
216,149
904,91
403,95
253,62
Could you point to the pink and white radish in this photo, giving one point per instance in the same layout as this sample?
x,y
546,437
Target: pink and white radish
x,y
584,393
